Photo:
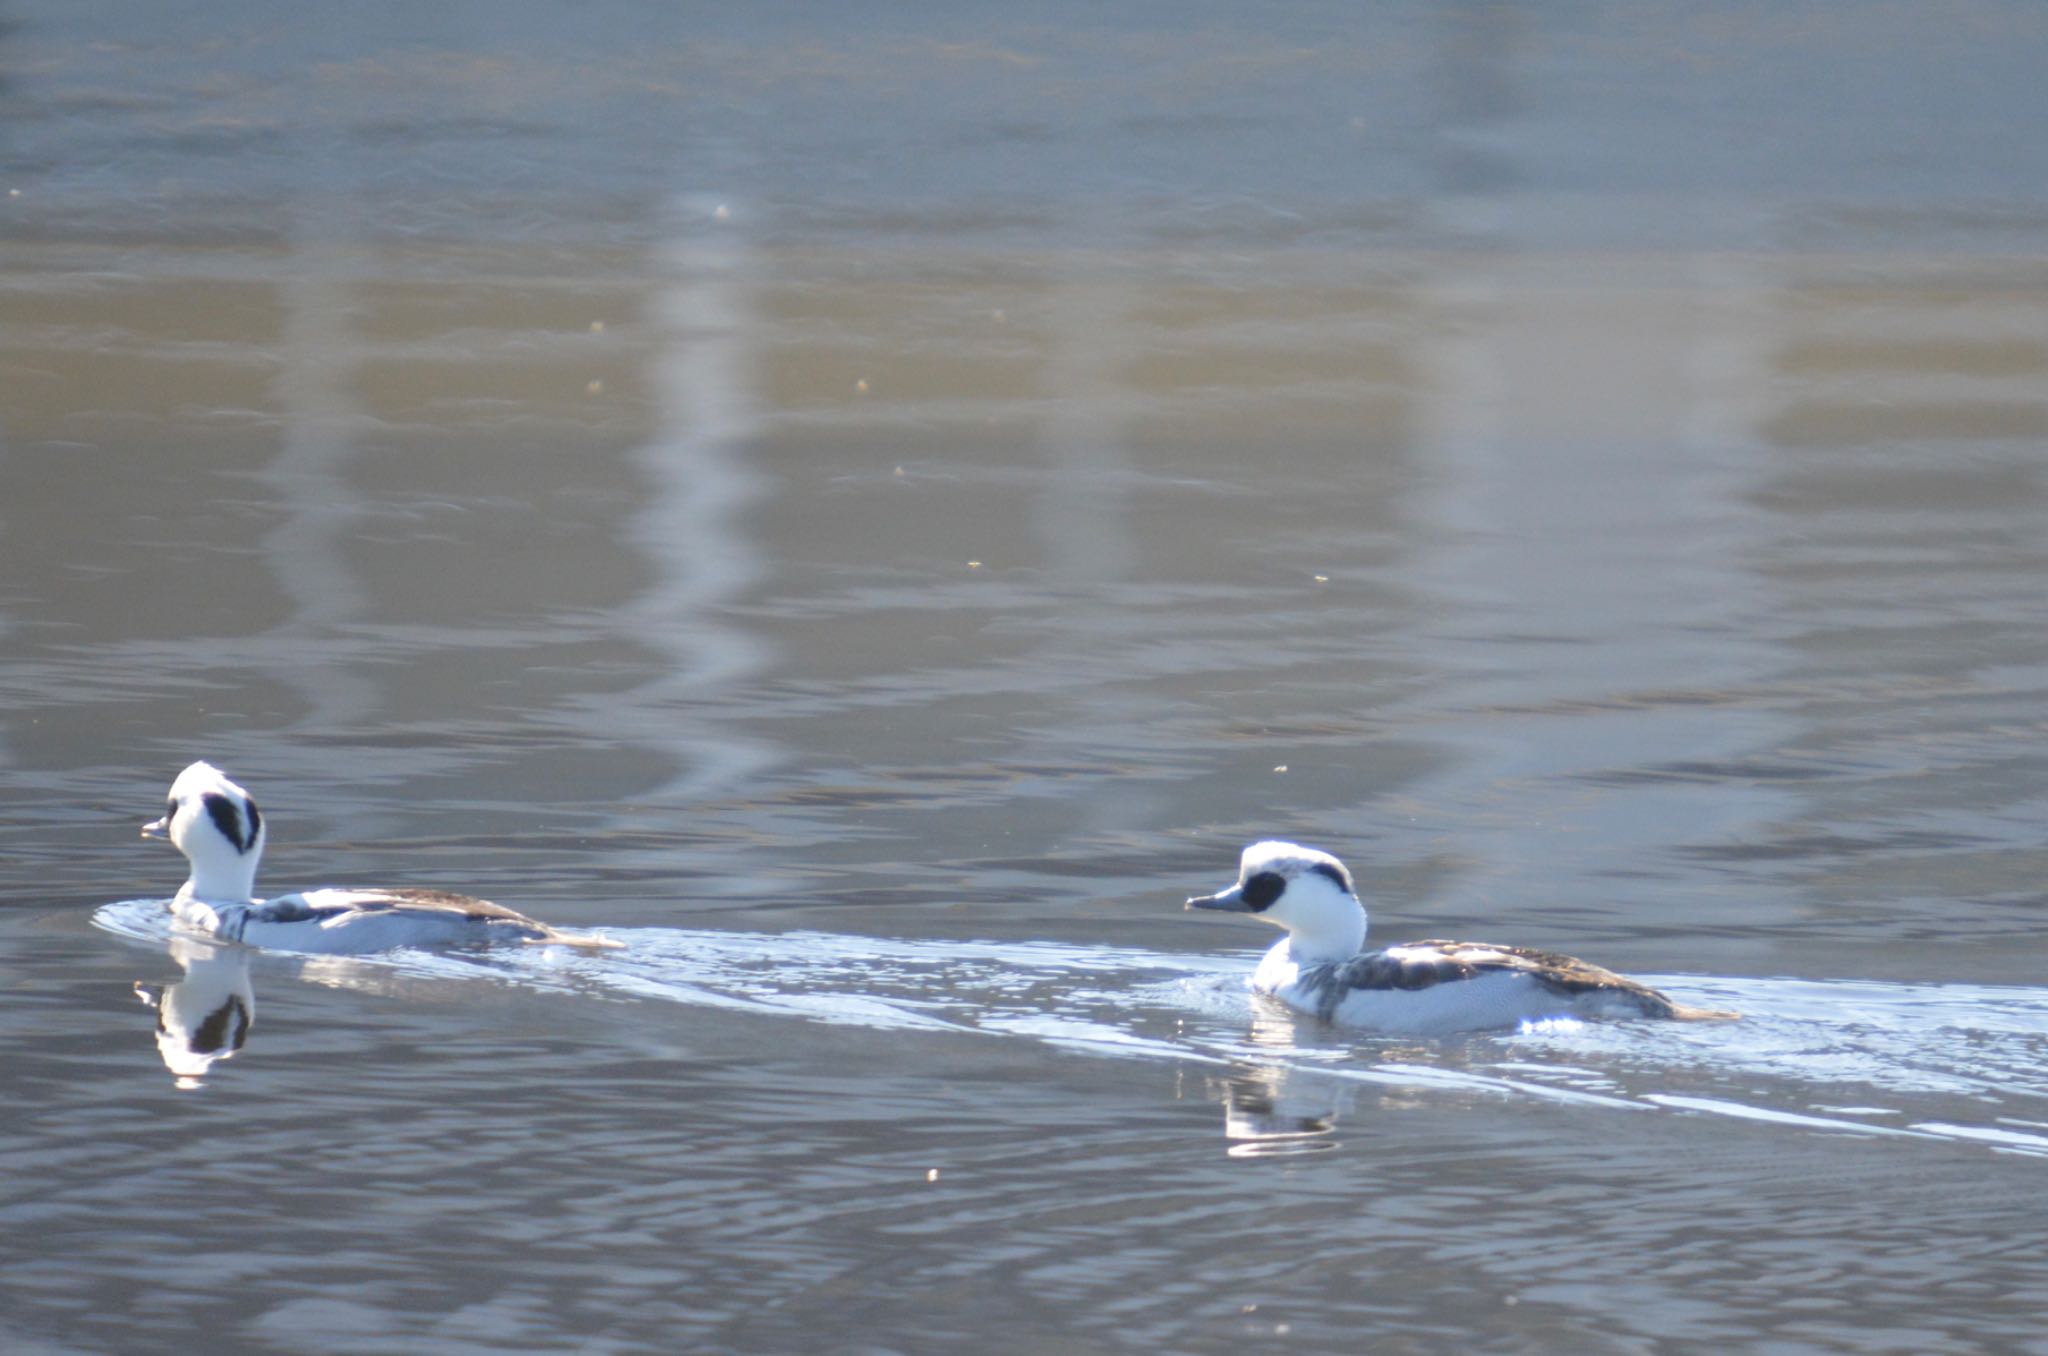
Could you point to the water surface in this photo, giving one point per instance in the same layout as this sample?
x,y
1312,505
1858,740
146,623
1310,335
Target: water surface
x,y
875,514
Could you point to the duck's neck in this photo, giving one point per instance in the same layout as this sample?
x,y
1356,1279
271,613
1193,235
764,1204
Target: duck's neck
x,y
221,882
1334,934
216,920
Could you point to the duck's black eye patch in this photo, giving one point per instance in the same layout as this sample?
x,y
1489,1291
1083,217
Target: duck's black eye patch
x,y
1261,890
227,817
1335,873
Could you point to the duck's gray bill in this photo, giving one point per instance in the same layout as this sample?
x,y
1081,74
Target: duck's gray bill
x,y
157,828
1230,901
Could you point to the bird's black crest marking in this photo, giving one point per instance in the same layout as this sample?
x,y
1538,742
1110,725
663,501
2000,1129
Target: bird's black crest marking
x,y
1261,890
227,817
1335,873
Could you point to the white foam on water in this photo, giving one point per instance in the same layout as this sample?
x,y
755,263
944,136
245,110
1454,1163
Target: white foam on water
x,y
1814,1055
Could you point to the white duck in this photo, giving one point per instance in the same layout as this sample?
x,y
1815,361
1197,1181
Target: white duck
x,y
216,825
1417,988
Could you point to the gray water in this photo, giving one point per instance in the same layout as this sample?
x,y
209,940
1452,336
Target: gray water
x,y
874,510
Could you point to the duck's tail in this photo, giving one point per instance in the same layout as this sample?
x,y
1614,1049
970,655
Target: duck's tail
x,y
1681,1013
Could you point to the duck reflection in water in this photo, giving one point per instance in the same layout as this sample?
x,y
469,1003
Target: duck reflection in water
x,y
205,1016
1270,1110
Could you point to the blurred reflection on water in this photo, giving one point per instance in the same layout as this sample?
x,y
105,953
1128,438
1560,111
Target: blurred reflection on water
x,y
819,494
692,532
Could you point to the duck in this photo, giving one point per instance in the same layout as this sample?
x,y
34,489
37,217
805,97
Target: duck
x,y
216,824
1322,969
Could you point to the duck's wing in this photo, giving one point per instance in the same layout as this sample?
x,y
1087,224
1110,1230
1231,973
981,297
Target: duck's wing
x,y
1442,968
1415,965
319,905
1427,964
1567,976
1555,971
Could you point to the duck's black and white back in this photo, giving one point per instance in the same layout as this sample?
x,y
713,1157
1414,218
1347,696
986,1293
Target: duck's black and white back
x,y
1417,988
216,824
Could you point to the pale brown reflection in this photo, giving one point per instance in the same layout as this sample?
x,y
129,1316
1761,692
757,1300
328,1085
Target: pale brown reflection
x,y
1082,520
1590,425
1935,351
1082,515
1900,519
317,507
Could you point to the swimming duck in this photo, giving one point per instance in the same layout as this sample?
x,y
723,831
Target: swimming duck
x,y
1417,988
216,825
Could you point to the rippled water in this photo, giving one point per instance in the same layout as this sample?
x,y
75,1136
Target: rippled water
x,y
873,515
1980,1043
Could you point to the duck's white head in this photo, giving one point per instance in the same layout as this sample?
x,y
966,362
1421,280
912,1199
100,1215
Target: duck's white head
x,y
216,825
1301,889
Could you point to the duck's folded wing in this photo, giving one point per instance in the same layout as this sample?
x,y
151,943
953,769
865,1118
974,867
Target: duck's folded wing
x,y
1565,974
319,905
1583,988
1425,964
1416,965
459,915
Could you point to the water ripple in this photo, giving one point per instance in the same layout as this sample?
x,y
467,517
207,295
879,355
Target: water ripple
x,y
1844,1056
